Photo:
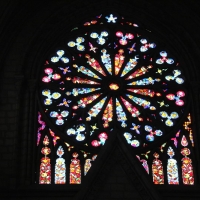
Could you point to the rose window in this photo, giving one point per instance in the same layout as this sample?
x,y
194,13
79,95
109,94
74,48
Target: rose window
x,y
111,78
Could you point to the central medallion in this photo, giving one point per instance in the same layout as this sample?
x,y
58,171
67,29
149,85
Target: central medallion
x,y
114,86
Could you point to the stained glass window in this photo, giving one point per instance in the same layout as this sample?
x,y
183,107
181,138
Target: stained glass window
x,y
60,167
157,170
75,170
172,168
45,166
111,77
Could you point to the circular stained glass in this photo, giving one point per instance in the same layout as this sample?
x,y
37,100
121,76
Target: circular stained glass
x,y
109,78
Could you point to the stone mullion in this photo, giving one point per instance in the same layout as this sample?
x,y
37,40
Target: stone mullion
x,y
11,137
26,132
32,129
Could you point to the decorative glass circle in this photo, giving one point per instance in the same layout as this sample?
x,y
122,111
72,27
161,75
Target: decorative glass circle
x,y
109,78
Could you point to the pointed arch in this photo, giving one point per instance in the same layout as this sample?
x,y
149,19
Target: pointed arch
x,y
114,79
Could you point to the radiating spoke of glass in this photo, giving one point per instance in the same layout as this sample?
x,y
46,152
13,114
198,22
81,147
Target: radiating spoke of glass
x,y
121,115
79,80
130,65
106,60
108,114
139,72
86,71
87,100
133,110
141,102
78,91
119,60
145,92
94,64
93,112
145,81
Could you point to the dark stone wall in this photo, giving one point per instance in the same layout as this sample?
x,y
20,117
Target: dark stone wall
x,y
29,30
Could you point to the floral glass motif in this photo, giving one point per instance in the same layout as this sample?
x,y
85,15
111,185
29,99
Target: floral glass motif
x,y
109,79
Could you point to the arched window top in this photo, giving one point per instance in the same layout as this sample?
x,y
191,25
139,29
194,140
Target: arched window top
x,y
111,78
110,75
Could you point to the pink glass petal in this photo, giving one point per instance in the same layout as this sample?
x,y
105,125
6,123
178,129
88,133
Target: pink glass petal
x,y
95,143
180,103
129,36
119,34
48,71
103,136
181,93
46,79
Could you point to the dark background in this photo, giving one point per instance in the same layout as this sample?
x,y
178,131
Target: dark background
x,y
28,31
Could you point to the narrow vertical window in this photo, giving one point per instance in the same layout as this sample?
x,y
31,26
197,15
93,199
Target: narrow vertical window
x,y
75,170
60,167
187,168
157,170
45,166
172,168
